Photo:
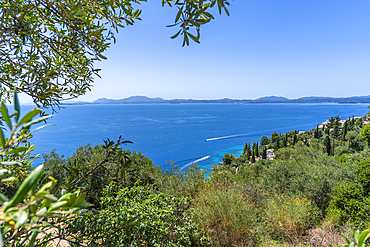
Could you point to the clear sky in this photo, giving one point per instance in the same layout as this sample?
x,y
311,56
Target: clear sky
x,y
291,48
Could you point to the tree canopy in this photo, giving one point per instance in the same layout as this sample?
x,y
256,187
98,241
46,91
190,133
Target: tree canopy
x,y
48,47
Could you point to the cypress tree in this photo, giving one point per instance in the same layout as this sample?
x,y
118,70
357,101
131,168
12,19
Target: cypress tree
x,y
327,144
344,131
264,154
253,160
332,149
245,148
249,150
316,135
286,139
331,123
349,123
335,131
256,150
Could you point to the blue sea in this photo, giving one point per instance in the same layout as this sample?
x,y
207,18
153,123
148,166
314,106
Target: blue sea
x,y
178,132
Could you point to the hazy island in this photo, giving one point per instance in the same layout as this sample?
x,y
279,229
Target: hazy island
x,y
262,100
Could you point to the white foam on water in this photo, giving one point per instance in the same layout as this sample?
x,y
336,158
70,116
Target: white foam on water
x,y
195,161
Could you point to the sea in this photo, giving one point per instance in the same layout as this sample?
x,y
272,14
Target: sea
x,y
180,133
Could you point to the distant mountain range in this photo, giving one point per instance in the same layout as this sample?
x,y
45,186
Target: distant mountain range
x,y
269,99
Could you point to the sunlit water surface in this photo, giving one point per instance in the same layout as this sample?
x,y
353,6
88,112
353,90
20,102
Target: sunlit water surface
x,y
177,132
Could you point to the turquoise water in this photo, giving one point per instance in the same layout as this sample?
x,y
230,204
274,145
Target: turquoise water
x,y
178,132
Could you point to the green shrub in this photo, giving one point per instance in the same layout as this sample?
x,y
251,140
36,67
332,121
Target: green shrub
x,y
351,199
135,216
226,215
173,181
69,170
308,172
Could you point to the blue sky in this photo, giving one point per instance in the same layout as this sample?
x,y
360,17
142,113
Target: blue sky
x,y
268,47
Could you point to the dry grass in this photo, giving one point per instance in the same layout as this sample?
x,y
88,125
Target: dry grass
x,y
328,234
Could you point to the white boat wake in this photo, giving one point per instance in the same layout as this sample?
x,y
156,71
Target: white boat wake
x,y
250,133
196,161
223,137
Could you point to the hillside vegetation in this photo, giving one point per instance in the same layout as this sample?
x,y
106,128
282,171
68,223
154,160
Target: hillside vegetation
x,y
313,188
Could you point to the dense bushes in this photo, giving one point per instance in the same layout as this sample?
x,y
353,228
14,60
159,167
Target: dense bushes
x,y
135,216
240,203
304,170
307,172
67,170
351,199
86,159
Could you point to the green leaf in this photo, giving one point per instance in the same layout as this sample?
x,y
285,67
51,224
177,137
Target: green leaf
x,y
227,12
33,239
28,184
17,150
194,38
57,205
37,230
21,219
356,235
29,116
178,15
84,205
2,139
17,110
102,57
28,124
362,238
348,242
80,199
34,208
51,198
11,163
80,12
1,237
172,25
42,211
177,34
76,8
220,4
3,198
186,40
63,192
10,179
5,115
